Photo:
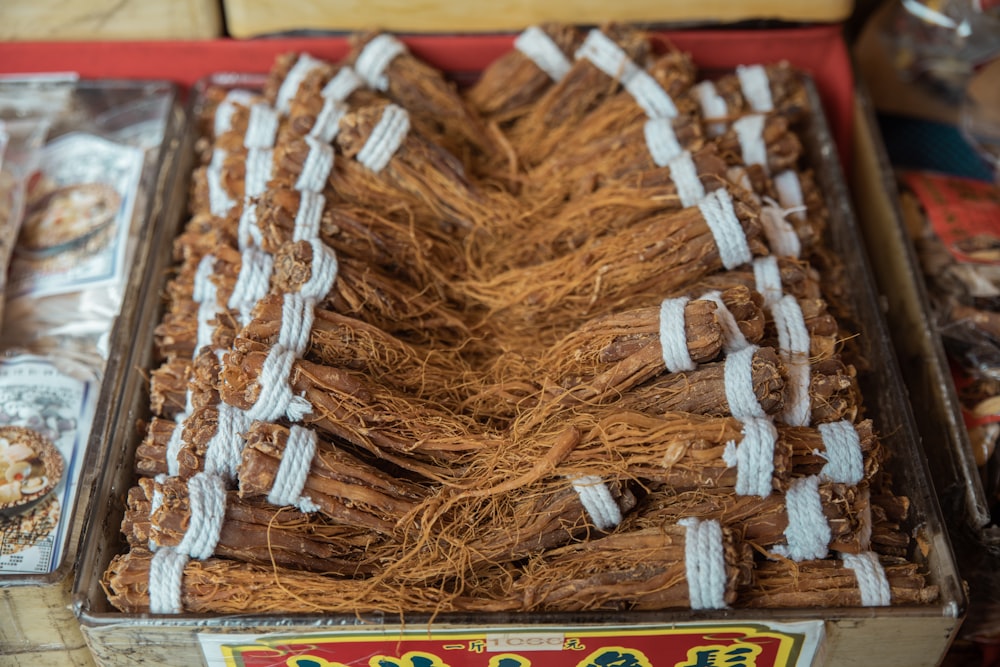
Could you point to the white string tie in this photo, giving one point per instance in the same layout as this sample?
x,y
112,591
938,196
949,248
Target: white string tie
x,y
276,399
684,174
872,582
262,127
767,279
608,57
316,168
756,87
224,451
307,218
673,337
386,138
155,503
793,344
248,232
219,201
739,175
753,457
713,107
650,95
293,470
293,80
174,445
327,123
733,339
704,563
342,85
844,459
258,166
750,132
720,216
204,288
252,283
781,236
375,58
166,574
808,532
740,395
207,507
597,501
223,121
661,140
535,44
790,195
322,272
297,315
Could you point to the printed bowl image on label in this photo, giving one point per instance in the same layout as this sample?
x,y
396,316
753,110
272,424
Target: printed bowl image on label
x,y
68,218
30,468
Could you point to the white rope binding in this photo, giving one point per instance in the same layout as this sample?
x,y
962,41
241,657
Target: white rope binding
x,y
535,44
155,503
661,140
808,532
309,215
386,138
248,233
258,171
781,236
733,339
293,470
790,195
605,55
223,121
767,279
322,271
297,316
738,374
224,451
327,123
844,459
673,336
205,295
750,132
597,501
753,457
262,127
252,283
316,168
166,574
713,107
219,201
276,399
293,80
717,210
375,58
872,582
175,443
793,348
207,508
756,87
342,85
704,563
684,174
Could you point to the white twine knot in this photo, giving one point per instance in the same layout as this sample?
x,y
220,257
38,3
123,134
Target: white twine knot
x,y
293,80
704,563
276,399
175,443
342,85
713,107
740,394
327,123
873,585
793,348
166,574
720,216
661,141
386,138
293,470
756,87
252,283
844,460
808,532
207,508
789,189
375,57
309,215
535,44
316,168
781,236
322,271
753,457
297,315
596,498
262,127
750,132
767,280
224,450
673,336
684,174
733,339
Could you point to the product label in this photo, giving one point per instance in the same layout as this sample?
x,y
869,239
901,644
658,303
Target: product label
x,y
680,645
78,217
37,395
963,212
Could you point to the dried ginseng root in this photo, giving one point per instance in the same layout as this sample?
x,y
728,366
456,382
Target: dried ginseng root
x,y
386,65
774,88
765,141
834,583
509,87
644,569
844,516
583,87
252,531
632,268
